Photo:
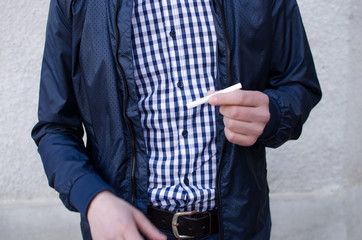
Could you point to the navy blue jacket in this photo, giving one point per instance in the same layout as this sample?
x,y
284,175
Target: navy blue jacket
x,y
87,83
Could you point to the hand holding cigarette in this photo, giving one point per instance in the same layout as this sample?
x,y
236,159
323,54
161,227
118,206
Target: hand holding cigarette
x,y
246,114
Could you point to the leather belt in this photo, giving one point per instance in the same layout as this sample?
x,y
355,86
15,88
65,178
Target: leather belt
x,y
185,225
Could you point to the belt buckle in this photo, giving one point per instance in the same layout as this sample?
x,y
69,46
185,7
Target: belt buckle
x,y
175,223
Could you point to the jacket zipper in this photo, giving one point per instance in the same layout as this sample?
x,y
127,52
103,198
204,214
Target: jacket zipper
x,y
227,42
228,76
125,102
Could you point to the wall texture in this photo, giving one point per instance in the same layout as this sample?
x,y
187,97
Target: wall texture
x,y
315,182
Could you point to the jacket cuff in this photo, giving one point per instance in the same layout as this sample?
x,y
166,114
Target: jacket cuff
x,y
85,189
272,126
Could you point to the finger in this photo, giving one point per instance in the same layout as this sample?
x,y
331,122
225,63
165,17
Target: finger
x,y
240,97
210,92
146,227
130,232
239,139
245,128
247,114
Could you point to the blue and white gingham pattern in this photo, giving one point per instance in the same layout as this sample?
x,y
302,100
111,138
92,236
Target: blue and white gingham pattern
x,y
174,45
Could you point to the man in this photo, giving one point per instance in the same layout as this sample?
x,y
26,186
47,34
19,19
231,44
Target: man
x,y
125,71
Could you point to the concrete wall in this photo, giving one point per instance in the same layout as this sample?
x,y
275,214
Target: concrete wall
x,y
315,182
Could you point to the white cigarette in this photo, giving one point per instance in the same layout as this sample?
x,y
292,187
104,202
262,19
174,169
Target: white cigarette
x,y
206,99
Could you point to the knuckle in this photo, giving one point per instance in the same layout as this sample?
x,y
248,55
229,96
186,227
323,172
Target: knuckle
x,y
250,140
229,123
110,235
123,226
234,112
246,141
222,110
264,116
240,98
226,121
267,116
259,130
229,135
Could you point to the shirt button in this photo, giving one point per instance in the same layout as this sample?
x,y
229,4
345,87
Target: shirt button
x,y
173,34
186,181
180,84
184,133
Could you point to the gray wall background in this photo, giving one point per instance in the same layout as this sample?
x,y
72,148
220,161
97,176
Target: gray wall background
x,y
315,182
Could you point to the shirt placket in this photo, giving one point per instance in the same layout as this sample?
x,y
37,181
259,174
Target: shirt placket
x,y
179,87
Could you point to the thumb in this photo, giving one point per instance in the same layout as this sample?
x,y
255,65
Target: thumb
x,y
210,92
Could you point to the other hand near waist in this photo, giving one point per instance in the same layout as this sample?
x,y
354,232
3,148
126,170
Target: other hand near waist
x,y
110,217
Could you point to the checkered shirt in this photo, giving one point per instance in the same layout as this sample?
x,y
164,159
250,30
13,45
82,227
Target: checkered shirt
x,y
174,48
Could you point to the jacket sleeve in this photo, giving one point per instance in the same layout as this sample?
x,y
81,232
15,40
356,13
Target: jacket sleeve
x,y
293,85
59,131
